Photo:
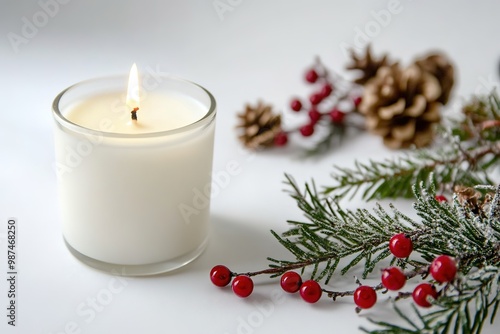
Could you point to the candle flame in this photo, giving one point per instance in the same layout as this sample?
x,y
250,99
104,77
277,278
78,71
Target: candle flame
x,y
133,89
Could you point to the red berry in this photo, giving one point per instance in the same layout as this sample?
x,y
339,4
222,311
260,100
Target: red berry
x,y
421,292
311,76
296,105
281,139
365,296
242,286
316,98
443,269
337,116
326,90
393,278
400,245
314,115
357,101
307,130
310,291
441,198
291,281
220,275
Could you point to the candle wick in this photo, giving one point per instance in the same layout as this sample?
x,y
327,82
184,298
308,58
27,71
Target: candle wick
x,y
134,114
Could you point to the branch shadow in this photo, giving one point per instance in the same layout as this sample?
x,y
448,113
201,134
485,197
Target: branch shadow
x,y
236,244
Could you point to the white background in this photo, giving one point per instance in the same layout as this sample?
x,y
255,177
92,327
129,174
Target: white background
x,y
258,49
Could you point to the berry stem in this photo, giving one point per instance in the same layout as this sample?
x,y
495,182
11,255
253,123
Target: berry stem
x,y
335,294
403,295
410,274
283,269
423,270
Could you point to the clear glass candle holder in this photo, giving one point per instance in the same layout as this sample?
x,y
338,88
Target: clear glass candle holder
x,y
134,203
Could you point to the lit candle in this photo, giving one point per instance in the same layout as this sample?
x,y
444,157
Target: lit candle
x,y
134,171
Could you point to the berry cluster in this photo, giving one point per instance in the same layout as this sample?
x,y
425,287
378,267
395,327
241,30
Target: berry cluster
x,y
323,103
443,269
242,285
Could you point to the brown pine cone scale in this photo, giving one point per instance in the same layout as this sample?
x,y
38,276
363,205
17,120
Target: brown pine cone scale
x,y
259,126
401,105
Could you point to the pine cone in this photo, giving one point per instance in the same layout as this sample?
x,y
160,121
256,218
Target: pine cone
x,y
438,65
260,126
473,199
401,105
469,197
367,65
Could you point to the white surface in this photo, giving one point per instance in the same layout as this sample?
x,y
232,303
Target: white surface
x,y
258,50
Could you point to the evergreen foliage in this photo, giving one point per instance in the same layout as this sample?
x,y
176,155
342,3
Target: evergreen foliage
x,y
465,153
332,239
331,234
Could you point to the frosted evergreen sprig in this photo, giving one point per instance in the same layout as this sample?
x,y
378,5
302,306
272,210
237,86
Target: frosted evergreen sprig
x,y
391,178
331,235
465,153
333,240
464,309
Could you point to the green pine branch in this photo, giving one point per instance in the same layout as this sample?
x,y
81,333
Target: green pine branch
x,y
331,235
334,240
464,154
391,178
462,310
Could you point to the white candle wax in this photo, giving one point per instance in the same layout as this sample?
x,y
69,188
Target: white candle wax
x,y
108,112
136,193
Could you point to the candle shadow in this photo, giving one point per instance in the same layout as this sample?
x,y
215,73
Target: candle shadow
x,y
240,245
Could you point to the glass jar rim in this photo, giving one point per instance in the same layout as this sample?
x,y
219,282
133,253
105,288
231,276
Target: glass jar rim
x,y
203,121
